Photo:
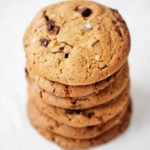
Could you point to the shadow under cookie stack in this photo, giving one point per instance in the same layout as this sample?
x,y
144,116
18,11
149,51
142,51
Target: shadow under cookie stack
x,y
77,73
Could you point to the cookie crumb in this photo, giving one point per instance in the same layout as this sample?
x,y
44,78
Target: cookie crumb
x,y
97,57
88,25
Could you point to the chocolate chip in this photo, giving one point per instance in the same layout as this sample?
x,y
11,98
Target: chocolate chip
x,y
68,111
45,16
85,12
66,55
88,114
73,103
44,42
50,24
117,29
56,30
52,27
61,48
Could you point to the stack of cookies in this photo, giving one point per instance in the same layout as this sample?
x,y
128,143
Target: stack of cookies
x,y
77,73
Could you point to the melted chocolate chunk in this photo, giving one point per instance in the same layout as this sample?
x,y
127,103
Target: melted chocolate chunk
x,y
44,42
50,25
117,29
88,114
85,12
56,30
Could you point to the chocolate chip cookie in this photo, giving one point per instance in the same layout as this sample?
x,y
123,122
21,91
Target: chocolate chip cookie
x,y
83,118
95,99
77,42
62,90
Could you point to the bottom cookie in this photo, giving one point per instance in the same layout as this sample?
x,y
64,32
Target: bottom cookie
x,y
74,144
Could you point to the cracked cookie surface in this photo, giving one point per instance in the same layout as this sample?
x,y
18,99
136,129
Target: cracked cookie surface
x,y
77,42
62,90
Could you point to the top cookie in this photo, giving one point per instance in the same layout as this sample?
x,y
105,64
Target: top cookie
x,y
77,42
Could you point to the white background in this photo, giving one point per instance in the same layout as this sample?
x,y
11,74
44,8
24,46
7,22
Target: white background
x,y
15,130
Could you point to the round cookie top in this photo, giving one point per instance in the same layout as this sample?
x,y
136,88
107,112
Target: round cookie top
x,y
77,42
